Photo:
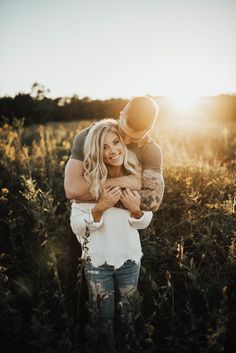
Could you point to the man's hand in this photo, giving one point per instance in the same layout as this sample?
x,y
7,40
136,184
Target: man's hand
x,y
105,201
132,201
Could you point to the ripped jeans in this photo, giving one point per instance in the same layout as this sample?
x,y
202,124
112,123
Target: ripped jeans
x,y
110,292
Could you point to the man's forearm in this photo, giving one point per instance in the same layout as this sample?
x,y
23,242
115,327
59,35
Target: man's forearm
x,y
80,191
152,190
126,181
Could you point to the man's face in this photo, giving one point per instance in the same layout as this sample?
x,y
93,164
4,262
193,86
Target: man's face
x,y
128,135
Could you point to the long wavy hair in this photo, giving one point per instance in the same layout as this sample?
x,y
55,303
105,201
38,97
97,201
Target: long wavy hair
x,y
95,170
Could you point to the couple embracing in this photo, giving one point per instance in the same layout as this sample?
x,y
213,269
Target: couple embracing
x,y
114,177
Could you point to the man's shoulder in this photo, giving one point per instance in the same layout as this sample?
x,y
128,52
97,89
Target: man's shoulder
x,y
78,144
149,145
82,134
150,155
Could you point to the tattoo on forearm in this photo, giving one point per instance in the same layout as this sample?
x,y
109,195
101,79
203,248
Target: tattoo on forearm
x,y
152,190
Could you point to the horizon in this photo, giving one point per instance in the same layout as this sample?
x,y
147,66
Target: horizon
x,y
48,95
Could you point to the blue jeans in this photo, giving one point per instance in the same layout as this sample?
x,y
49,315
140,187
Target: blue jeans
x,y
110,292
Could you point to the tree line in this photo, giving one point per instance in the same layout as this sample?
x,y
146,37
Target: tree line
x,y
36,108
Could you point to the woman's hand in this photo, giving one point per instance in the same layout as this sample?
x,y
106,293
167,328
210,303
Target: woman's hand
x,y
132,201
110,198
105,201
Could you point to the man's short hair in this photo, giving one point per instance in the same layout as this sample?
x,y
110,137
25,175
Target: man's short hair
x,y
141,113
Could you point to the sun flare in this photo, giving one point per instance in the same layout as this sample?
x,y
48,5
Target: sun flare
x,y
184,102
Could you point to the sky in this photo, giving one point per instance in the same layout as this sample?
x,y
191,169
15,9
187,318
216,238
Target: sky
x,y
118,48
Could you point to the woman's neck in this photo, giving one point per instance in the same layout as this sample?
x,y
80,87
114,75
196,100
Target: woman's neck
x,y
114,172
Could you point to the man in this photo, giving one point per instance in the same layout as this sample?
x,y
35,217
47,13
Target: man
x,y
136,121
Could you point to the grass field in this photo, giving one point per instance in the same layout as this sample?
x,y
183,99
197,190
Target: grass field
x,y
187,289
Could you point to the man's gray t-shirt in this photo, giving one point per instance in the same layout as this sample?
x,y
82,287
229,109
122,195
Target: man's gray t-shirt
x,y
147,151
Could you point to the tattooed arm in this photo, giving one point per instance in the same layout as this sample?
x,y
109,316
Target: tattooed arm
x,y
152,190
152,178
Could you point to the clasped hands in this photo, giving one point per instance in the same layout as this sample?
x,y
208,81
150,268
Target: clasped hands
x,y
131,200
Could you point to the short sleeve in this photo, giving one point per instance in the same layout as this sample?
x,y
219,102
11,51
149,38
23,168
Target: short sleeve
x,y
151,157
77,151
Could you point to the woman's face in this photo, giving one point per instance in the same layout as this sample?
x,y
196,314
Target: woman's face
x,y
113,150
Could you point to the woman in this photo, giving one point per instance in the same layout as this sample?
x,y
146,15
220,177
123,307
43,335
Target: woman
x,y
108,234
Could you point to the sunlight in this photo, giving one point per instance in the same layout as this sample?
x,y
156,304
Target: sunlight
x,y
184,102
185,108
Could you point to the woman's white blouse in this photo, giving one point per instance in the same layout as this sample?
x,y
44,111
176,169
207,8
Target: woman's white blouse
x,y
114,239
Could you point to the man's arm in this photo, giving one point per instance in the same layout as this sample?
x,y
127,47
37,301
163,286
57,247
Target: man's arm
x,y
126,181
152,179
152,190
76,186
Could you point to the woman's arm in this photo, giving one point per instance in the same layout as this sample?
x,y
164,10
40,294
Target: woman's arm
x,y
81,219
132,201
109,199
142,222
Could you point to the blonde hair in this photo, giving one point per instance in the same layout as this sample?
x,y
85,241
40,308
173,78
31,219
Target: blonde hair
x,y
95,170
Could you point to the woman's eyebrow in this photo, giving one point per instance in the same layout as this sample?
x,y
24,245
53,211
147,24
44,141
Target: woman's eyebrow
x,y
105,144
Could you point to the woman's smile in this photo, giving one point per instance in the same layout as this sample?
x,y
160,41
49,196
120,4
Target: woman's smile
x,y
115,157
113,150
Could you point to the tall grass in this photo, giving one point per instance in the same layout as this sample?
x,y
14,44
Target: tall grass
x,y
186,298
